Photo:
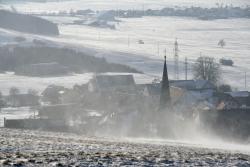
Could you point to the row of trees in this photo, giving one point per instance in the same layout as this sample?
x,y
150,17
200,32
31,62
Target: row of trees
x,y
13,96
13,58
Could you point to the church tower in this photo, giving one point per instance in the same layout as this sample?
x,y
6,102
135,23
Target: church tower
x,y
165,99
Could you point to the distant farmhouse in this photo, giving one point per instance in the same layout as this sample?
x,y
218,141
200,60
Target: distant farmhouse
x,y
233,100
112,83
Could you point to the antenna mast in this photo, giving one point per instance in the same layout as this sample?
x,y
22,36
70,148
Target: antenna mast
x,y
176,59
245,80
186,68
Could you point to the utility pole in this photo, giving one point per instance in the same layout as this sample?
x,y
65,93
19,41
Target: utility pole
x,y
176,59
158,49
143,9
128,41
245,80
117,13
186,68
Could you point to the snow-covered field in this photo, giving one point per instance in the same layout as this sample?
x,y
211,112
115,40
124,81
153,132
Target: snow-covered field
x,y
36,148
33,148
195,37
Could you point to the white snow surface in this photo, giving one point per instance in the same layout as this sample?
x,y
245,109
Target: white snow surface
x,y
195,37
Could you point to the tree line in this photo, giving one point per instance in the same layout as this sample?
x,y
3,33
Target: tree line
x,y
11,58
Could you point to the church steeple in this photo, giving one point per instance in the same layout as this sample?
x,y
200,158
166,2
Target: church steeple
x,y
165,99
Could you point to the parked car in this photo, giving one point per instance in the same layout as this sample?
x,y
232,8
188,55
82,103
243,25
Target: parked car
x,y
226,62
140,41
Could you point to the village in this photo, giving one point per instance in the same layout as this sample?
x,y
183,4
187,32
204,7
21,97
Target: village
x,y
114,104
124,83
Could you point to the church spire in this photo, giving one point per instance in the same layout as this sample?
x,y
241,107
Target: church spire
x,y
165,100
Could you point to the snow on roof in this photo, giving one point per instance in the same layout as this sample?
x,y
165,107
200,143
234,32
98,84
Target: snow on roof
x,y
203,84
185,84
192,84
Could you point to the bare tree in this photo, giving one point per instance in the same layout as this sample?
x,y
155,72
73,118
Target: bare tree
x,y
224,88
222,43
14,91
32,92
53,94
207,69
2,102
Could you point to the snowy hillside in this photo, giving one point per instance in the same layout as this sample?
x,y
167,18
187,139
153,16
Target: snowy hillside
x,y
121,45
194,36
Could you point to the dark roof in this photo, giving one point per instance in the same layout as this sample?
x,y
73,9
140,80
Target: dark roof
x,y
184,84
239,94
226,97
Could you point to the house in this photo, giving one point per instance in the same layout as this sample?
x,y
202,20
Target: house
x,y
203,87
112,83
188,101
152,90
224,101
195,85
243,97
200,88
193,93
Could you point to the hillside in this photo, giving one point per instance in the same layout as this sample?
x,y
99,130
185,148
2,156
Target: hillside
x,y
51,61
27,23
